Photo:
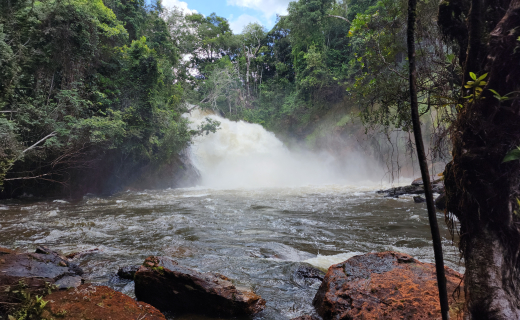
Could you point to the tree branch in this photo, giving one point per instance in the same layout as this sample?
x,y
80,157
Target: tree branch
x,y
28,178
339,17
37,143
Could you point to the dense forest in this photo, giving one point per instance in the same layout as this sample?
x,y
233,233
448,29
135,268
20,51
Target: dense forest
x,y
92,92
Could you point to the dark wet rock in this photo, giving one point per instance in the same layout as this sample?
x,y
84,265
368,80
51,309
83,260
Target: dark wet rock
x,y
440,202
127,272
417,182
167,286
103,303
306,317
386,285
308,272
33,273
399,191
416,187
418,199
63,260
69,282
307,276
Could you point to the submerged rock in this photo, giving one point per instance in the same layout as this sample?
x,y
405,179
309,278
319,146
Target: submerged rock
x,y
167,286
418,199
90,302
386,285
308,272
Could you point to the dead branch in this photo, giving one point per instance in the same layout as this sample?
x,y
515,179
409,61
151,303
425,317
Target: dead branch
x,y
37,143
339,17
28,178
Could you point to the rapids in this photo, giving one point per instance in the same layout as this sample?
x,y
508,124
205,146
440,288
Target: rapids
x,y
260,212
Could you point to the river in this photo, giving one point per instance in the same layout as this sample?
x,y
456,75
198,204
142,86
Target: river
x,y
257,227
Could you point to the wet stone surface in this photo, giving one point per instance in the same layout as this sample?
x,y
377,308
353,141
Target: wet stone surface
x,y
102,303
386,285
164,284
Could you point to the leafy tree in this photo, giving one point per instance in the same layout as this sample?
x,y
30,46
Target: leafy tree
x,y
82,90
481,190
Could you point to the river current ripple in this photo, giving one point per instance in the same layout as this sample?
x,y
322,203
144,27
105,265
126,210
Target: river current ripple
x,y
257,237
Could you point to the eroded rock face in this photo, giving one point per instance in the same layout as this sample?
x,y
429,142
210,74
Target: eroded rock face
x,y
386,285
167,286
90,302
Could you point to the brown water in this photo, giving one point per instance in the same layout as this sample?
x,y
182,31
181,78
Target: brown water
x,y
257,237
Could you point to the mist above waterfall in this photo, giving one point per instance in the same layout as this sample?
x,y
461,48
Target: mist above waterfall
x,y
242,154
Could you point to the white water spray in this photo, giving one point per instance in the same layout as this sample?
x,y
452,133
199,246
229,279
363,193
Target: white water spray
x,y
242,154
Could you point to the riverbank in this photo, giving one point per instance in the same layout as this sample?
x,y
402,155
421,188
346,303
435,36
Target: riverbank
x,y
47,284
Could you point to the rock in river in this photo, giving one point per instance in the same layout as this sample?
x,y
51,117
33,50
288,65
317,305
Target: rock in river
x,y
90,302
33,273
127,272
167,286
386,285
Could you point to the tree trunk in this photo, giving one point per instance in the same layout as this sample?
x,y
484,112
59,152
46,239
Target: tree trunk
x,y
432,214
481,190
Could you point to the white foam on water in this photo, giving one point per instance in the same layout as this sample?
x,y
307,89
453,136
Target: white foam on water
x,y
242,154
324,262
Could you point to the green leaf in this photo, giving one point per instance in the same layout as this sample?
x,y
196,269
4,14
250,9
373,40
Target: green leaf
x,y
482,77
473,76
512,155
494,92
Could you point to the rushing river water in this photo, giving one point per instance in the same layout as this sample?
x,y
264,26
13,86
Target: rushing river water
x,y
258,236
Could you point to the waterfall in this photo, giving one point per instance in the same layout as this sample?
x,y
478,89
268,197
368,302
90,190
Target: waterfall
x,y
242,154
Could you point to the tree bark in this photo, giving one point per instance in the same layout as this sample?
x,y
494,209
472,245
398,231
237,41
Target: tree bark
x,y
432,214
482,191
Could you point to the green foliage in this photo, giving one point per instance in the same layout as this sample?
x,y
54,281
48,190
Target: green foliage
x,y
96,74
512,155
476,86
29,306
379,68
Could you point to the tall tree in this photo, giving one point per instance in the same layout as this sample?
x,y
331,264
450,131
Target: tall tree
x,y
483,191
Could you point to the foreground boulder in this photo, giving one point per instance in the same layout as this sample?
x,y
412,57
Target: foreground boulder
x,y
170,287
24,274
90,302
386,285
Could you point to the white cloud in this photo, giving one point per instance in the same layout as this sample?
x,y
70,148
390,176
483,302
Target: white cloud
x,y
238,25
268,7
183,6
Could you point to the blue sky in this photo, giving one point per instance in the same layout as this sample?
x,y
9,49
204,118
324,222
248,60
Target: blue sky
x,y
238,12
